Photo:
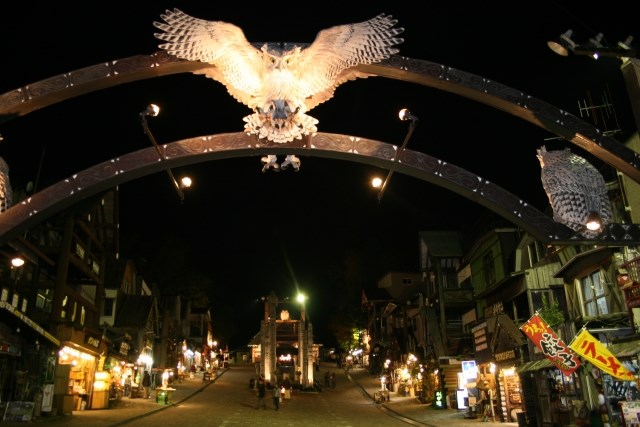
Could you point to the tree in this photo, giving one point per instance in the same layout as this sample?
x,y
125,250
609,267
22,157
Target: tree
x,y
551,312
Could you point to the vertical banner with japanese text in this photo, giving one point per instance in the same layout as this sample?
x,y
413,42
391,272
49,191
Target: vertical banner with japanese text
x,y
587,346
550,344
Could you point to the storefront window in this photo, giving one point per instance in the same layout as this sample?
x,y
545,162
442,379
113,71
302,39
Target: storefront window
x,y
563,389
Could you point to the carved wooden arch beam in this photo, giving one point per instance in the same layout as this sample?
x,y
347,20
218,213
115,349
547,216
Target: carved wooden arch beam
x,y
43,93
104,75
101,177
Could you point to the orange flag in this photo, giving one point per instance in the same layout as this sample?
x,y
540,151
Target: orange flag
x,y
587,346
551,345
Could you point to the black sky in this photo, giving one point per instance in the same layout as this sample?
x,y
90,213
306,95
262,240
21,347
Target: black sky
x,y
323,226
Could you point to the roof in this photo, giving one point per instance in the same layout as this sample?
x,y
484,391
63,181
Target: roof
x,y
625,349
255,340
133,311
580,261
535,365
443,243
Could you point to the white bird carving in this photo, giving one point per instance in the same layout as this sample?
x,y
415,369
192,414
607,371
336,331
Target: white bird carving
x,y
279,82
575,189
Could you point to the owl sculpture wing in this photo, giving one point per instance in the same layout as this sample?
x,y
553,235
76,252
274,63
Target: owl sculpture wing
x,y
279,82
575,189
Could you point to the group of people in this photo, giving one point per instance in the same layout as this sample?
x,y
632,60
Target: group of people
x,y
146,385
262,386
261,392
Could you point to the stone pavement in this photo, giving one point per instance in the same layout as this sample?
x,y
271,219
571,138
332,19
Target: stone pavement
x,y
127,410
413,409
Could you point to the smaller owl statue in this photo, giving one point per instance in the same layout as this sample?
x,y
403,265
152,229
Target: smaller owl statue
x,y
279,81
575,190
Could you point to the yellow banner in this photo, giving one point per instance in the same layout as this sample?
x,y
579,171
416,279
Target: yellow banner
x,y
587,346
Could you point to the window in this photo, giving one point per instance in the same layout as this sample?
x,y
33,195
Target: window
x,y
74,311
594,295
107,309
535,253
450,280
63,311
489,268
44,299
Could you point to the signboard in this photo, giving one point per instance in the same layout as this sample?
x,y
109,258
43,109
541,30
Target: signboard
x,y
47,398
587,346
18,411
630,413
550,344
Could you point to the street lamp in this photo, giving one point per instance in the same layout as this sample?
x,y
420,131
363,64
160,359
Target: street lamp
x,y
153,110
404,115
594,48
17,262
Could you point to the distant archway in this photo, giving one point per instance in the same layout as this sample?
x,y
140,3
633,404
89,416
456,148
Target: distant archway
x,y
200,149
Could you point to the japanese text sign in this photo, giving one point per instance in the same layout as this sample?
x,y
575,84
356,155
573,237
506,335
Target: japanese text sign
x,y
587,346
550,344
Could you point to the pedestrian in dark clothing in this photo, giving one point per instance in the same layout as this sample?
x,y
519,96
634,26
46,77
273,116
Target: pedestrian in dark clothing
x,y
333,380
276,396
146,384
262,390
127,386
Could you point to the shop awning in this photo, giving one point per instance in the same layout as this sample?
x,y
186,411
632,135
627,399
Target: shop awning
x,y
504,322
20,315
535,365
625,349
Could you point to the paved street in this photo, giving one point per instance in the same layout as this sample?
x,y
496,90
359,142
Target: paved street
x,y
228,401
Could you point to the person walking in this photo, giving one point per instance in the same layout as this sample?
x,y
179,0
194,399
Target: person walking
x,y
127,386
276,396
146,384
261,392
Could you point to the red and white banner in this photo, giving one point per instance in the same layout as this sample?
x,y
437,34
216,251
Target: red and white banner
x,y
587,346
550,344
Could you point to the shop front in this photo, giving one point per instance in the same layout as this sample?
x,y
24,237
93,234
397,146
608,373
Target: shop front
x,y
27,363
558,398
623,397
79,361
499,345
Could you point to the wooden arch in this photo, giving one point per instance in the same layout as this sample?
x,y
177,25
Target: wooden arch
x,y
103,176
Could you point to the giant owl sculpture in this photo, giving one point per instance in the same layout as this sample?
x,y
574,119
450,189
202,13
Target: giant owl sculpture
x,y
279,82
575,189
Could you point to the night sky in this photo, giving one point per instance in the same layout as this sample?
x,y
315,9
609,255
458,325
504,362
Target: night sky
x,y
320,230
